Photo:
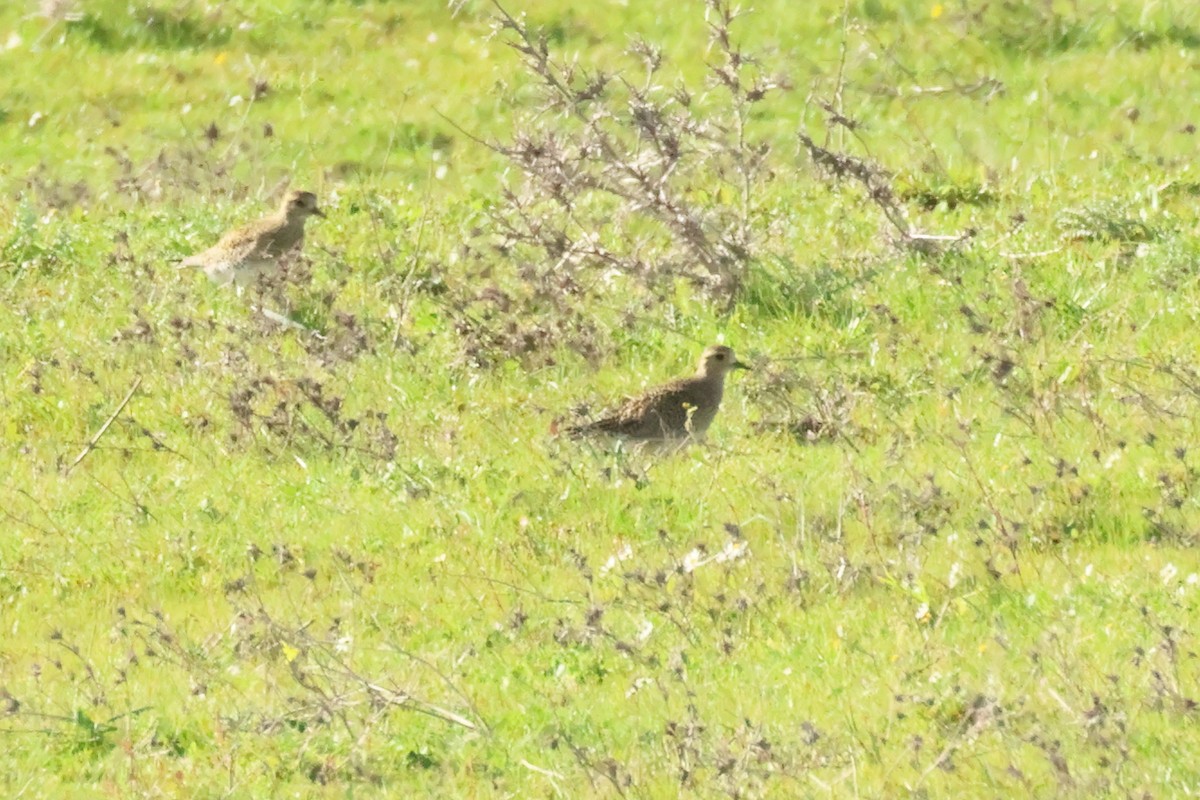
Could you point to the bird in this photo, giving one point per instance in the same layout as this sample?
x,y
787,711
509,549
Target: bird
x,y
677,411
244,253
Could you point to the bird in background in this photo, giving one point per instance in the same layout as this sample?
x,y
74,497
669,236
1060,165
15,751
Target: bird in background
x,y
680,410
244,253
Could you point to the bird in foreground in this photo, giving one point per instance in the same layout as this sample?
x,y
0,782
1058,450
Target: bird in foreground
x,y
681,409
247,252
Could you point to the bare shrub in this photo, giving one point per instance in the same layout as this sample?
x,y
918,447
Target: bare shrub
x,y
626,181
877,182
611,163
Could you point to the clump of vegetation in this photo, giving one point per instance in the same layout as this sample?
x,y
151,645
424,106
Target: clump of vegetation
x,y
626,181
1108,221
624,173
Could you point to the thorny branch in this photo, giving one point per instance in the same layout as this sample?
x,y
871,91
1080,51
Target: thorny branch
x,y
640,148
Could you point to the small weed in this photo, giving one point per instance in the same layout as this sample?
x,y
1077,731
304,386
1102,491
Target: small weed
x,y
1106,222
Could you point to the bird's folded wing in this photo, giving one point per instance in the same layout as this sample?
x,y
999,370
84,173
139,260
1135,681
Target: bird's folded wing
x,y
251,243
662,413
233,248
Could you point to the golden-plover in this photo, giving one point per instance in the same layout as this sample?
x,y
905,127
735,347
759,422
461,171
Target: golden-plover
x,y
679,410
247,252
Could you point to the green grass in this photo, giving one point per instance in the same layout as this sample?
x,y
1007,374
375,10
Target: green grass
x,y
941,542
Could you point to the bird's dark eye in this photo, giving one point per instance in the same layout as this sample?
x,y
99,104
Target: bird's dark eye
x,y
720,356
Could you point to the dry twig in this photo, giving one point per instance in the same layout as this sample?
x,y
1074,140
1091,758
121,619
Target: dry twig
x,y
91,445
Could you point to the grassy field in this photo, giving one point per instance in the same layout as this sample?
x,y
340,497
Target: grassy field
x,y
941,542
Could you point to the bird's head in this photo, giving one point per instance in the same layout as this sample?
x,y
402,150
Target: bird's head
x,y
298,205
718,360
